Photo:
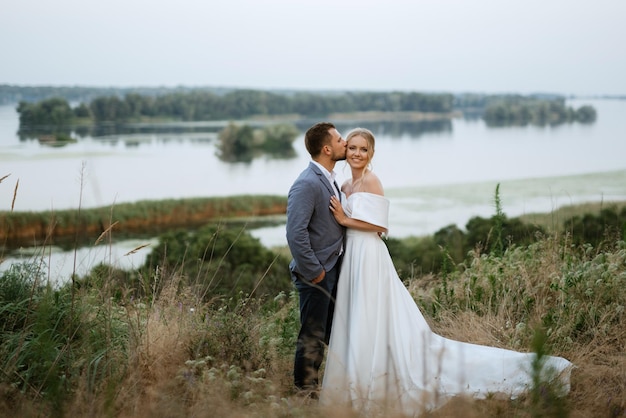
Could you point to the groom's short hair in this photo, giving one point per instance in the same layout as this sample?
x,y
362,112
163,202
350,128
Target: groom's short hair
x,y
317,136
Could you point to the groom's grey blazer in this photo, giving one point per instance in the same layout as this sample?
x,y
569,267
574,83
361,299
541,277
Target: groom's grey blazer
x,y
314,236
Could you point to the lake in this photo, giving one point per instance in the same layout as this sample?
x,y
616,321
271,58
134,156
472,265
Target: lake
x,y
434,173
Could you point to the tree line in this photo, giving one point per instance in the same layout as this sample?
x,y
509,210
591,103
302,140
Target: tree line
x,y
203,105
239,104
13,94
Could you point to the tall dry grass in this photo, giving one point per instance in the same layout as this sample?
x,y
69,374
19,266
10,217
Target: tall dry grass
x,y
172,356
577,295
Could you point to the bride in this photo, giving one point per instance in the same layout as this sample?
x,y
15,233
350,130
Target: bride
x,y
382,354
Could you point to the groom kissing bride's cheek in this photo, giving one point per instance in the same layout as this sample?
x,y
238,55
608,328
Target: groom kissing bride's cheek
x,y
382,354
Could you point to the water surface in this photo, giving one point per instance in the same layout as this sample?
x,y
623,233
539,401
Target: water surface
x,y
435,174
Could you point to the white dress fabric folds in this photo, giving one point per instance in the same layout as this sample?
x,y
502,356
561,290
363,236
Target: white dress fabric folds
x,y
382,354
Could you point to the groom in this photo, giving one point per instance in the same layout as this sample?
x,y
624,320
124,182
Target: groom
x,y
316,243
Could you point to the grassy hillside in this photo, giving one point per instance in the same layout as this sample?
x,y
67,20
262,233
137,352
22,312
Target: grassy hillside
x,y
91,348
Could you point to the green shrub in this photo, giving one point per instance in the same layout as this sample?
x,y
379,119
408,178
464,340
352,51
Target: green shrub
x,y
221,261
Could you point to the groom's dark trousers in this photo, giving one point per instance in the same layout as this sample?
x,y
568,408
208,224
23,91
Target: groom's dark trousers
x,y
317,305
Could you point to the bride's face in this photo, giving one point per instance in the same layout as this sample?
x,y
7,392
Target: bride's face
x,y
357,153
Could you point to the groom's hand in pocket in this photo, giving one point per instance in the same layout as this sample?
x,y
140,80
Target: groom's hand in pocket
x,y
319,278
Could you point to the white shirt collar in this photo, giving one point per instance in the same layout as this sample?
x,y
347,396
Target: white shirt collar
x,y
330,175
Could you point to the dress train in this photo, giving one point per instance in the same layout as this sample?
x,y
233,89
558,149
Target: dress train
x,y
382,353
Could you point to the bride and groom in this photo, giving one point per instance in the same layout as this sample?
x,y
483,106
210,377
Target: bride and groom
x,y
382,354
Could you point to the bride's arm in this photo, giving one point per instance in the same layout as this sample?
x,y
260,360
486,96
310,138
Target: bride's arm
x,y
344,220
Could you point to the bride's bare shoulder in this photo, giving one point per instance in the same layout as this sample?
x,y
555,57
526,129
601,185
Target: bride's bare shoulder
x,y
372,184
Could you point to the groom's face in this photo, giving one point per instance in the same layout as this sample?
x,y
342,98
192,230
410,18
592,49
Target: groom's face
x,y
337,145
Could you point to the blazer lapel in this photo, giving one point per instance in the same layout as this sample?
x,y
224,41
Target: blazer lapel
x,y
322,178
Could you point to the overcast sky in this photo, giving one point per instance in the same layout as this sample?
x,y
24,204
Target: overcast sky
x,y
490,46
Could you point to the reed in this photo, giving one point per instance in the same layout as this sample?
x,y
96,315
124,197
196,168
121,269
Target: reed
x,y
143,218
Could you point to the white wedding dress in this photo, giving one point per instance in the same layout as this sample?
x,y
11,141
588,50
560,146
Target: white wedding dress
x,y
382,353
